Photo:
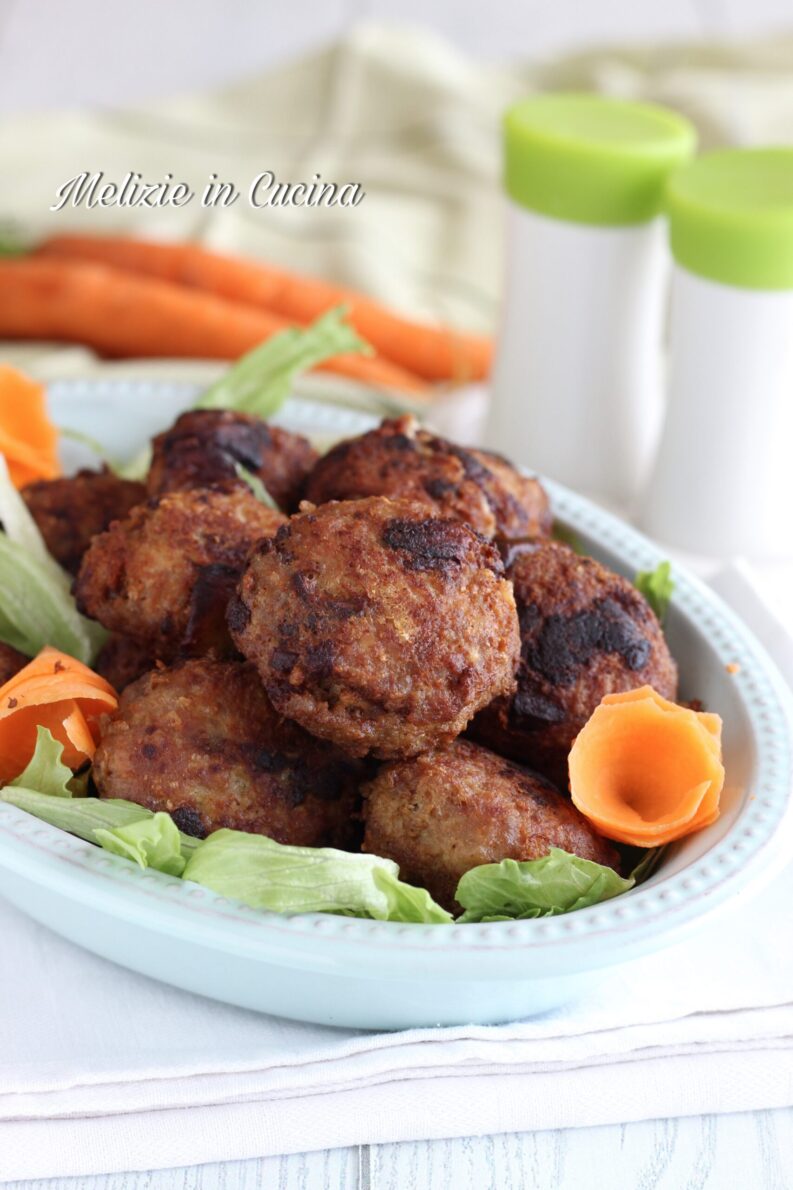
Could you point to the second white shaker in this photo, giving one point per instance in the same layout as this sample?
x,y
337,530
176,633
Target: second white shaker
x,y
723,481
577,384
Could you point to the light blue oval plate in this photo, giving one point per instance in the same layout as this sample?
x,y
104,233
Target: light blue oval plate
x,y
366,974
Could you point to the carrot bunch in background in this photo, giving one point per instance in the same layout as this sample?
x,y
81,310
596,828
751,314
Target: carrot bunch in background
x,y
131,298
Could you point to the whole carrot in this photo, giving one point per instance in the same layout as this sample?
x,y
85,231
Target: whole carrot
x,y
123,315
435,353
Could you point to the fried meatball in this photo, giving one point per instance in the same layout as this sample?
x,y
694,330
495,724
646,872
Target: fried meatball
x,y
70,511
585,632
202,742
400,460
122,661
164,575
377,625
11,661
204,447
445,812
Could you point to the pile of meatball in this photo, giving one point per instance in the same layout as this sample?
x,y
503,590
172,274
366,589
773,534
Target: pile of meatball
x,y
396,659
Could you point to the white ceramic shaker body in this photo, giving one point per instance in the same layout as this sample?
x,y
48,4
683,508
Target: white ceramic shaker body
x,y
577,378
577,386
722,484
723,480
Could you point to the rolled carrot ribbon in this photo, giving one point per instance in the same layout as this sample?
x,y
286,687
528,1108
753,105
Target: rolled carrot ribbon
x,y
57,692
646,771
28,439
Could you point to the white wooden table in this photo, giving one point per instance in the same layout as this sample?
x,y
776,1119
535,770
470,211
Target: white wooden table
x,y
750,1151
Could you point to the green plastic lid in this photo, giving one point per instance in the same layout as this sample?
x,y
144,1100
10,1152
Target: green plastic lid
x,y
731,217
592,159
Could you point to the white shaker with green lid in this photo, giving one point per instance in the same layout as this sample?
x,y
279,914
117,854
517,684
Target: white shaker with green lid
x,y
577,385
723,480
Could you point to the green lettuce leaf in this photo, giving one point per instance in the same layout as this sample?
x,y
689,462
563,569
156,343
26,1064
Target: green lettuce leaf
x,y
151,842
408,903
12,241
256,486
557,883
137,467
94,445
84,816
37,608
259,383
657,586
262,380
78,786
19,526
46,772
269,875
80,816
648,863
248,868
36,604
567,536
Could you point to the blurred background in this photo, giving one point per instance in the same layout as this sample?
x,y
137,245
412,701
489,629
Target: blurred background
x,y
404,97
103,52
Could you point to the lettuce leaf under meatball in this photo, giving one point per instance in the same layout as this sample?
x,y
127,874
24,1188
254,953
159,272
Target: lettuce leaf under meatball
x,y
45,771
657,586
36,603
269,875
105,822
558,883
150,843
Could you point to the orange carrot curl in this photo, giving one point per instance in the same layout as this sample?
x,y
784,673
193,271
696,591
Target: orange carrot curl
x,y
28,439
57,692
646,771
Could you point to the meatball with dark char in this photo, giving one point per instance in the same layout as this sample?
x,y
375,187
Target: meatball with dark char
x,y
11,661
204,448
378,626
202,742
122,660
70,511
400,460
585,632
443,813
165,574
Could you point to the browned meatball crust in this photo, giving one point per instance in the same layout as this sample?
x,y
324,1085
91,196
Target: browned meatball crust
x,y
121,661
70,511
165,574
378,626
585,632
204,448
11,661
443,813
202,742
399,459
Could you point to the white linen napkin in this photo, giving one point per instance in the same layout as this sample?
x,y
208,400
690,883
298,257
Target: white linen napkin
x,y
102,1070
